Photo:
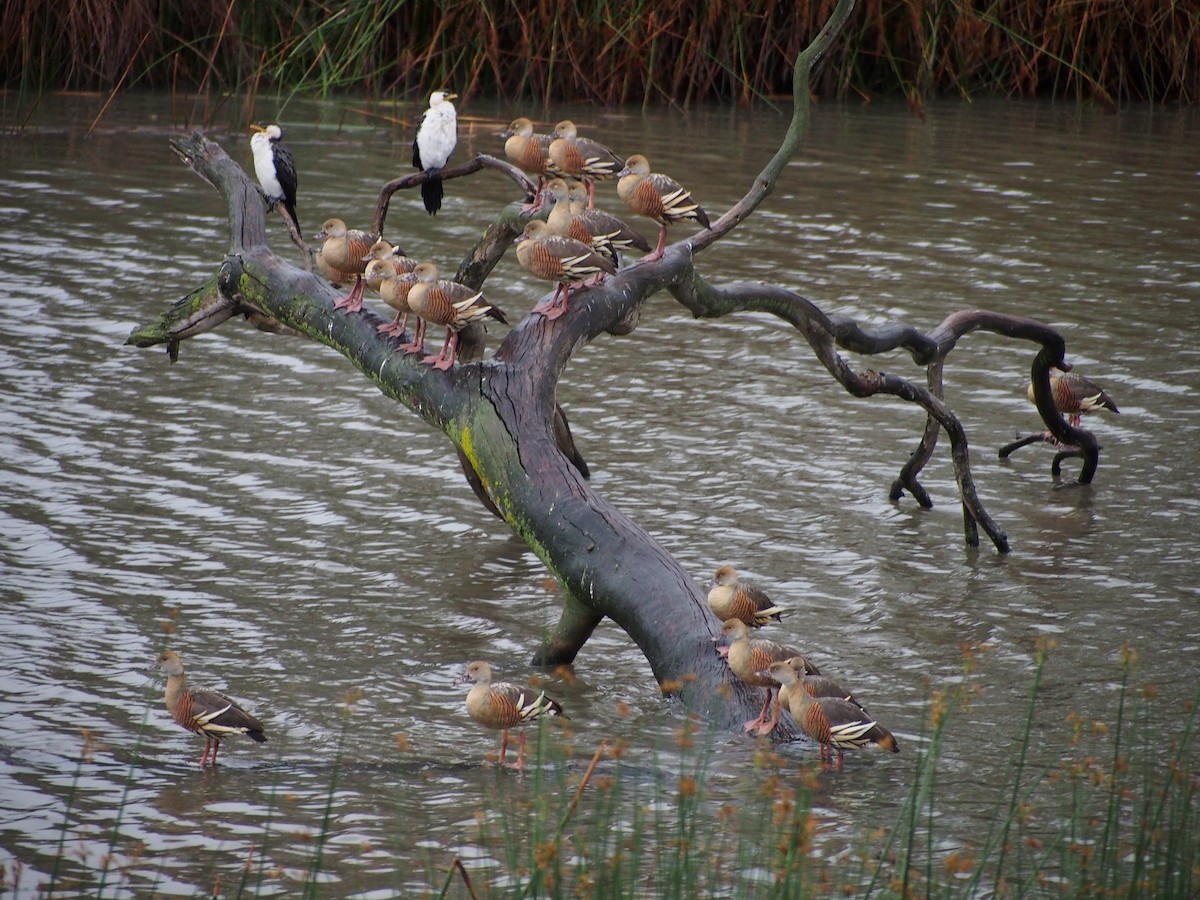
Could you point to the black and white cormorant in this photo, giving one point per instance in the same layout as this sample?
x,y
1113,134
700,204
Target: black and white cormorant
x,y
436,138
275,168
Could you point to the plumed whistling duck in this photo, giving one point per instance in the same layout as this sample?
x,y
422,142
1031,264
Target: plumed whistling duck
x,y
831,722
552,257
619,235
385,249
731,598
529,152
604,233
500,705
582,158
393,286
817,685
749,659
275,168
445,303
1075,395
344,250
658,197
562,222
436,139
205,712
390,253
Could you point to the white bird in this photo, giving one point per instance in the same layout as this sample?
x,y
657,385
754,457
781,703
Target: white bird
x,y
275,168
435,141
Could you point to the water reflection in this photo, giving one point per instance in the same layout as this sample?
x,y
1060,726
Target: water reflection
x,y
264,510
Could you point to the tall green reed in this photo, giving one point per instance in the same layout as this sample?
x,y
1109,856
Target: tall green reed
x,y
1088,823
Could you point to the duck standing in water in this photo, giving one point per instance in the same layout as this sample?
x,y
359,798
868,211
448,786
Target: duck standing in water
x,y
750,658
500,705
1075,396
203,711
834,723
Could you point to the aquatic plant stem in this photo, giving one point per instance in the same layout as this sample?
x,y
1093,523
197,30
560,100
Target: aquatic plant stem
x,y
1177,770
457,866
134,765
66,826
583,783
1110,837
1007,817
314,870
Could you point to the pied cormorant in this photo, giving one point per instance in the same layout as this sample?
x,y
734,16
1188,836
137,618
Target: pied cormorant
x,y
275,168
436,139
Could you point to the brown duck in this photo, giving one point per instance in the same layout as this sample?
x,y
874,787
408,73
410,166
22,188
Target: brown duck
x,y
603,232
657,196
832,722
206,712
501,705
1075,396
563,260
393,286
731,598
817,685
581,157
446,303
529,152
749,660
619,235
385,249
344,250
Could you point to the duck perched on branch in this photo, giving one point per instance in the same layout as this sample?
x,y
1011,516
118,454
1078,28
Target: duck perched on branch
x,y
618,235
529,152
570,217
345,250
394,284
581,157
447,303
658,197
205,712
552,257
731,598
385,249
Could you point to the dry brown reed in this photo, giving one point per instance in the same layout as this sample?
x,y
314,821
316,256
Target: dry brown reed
x,y
609,51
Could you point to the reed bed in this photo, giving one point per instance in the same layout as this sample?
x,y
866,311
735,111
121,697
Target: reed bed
x,y
608,51
1118,814
1114,812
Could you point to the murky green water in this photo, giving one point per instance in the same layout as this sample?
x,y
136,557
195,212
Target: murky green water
x,y
297,537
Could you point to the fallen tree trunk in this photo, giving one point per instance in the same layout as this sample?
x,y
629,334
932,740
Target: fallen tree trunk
x,y
501,415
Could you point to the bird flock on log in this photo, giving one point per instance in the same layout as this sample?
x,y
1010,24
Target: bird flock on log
x,y
573,244
568,241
